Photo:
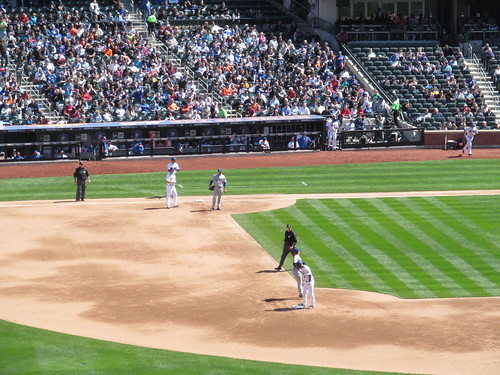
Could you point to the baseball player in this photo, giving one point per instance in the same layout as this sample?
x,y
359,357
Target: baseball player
x,y
332,127
296,272
288,245
219,183
171,180
308,278
470,132
173,165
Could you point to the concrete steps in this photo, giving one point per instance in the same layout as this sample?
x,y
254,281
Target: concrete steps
x,y
485,83
141,27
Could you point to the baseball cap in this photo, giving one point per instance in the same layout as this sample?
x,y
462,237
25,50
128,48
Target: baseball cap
x,y
288,225
173,159
81,163
219,170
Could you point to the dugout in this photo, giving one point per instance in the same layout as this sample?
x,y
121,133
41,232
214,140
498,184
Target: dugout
x,y
85,141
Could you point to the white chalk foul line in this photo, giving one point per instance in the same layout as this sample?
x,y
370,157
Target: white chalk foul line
x,y
248,186
303,183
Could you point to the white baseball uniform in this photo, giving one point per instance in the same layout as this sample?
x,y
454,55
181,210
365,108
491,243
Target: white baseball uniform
x,y
219,181
173,165
332,128
308,285
297,274
171,180
470,132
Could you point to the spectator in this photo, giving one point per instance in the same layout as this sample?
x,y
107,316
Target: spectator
x,y
264,144
35,155
62,155
304,140
342,37
293,145
18,156
138,149
487,52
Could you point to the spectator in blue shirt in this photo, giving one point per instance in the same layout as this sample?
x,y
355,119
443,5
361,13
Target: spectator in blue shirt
x,y
35,155
304,140
138,149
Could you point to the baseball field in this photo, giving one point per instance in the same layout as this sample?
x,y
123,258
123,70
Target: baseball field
x,y
403,245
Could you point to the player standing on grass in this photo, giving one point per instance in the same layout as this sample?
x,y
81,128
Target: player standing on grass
x,y
288,245
470,132
171,180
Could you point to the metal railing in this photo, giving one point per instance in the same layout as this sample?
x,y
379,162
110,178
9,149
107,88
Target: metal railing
x,y
487,81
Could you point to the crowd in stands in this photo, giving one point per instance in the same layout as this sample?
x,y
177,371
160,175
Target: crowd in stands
x,y
383,21
93,66
442,78
181,9
490,56
265,74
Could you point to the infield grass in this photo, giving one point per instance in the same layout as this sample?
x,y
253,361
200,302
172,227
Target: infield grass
x,y
407,247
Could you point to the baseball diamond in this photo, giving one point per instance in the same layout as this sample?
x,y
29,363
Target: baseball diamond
x,y
108,269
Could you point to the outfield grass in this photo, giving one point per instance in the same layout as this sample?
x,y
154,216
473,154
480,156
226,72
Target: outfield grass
x,y
408,247
455,174
25,350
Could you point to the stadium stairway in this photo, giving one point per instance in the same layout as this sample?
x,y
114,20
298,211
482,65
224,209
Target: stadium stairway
x,y
141,28
485,83
34,91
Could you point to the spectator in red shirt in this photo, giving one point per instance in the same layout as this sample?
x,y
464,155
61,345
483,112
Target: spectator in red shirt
x,y
345,112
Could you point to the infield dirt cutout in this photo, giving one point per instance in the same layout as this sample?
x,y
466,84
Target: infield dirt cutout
x,y
188,279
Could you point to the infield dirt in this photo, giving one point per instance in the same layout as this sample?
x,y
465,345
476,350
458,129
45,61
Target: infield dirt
x,y
188,279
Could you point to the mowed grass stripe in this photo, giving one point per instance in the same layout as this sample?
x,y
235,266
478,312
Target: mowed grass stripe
x,y
375,260
452,237
486,236
423,237
316,251
440,241
268,228
257,225
429,261
407,266
338,243
436,280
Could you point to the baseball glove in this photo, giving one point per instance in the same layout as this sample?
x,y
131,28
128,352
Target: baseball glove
x,y
211,187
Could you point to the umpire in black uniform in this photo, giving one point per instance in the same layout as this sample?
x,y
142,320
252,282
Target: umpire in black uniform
x,y
81,176
288,245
